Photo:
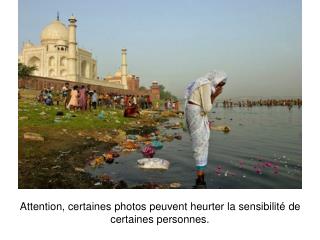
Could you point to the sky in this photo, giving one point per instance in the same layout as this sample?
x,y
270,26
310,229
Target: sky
x,y
257,43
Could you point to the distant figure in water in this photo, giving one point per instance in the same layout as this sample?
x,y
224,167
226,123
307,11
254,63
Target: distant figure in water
x,y
200,95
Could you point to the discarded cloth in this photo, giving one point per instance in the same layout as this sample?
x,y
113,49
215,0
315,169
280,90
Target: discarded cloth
x,y
153,163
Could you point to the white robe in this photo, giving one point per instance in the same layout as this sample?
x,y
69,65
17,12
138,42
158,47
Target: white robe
x,y
196,121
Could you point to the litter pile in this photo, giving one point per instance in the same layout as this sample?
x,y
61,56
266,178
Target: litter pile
x,y
147,139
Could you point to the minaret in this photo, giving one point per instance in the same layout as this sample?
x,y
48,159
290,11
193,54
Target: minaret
x,y
72,58
124,68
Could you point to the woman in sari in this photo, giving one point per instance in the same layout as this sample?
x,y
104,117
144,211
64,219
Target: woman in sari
x,y
73,103
131,110
199,97
83,98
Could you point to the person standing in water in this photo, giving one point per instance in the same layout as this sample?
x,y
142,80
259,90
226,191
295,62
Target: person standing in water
x,y
200,95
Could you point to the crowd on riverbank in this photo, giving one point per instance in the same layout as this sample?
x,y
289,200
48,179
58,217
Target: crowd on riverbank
x,y
171,104
261,102
84,98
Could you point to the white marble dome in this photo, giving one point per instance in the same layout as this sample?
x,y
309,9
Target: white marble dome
x,y
54,32
61,43
118,73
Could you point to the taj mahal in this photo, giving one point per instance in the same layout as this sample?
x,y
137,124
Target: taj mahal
x,y
58,56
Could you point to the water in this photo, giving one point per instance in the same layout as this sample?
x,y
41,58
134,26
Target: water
x,y
262,150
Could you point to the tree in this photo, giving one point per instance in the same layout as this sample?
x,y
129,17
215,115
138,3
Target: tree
x,y
142,88
25,71
166,94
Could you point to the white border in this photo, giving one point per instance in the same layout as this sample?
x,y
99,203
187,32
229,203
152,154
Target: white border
x,y
16,224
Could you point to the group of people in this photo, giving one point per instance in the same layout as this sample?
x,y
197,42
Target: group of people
x,y
170,104
49,97
84,98
121,101
134,103
266,102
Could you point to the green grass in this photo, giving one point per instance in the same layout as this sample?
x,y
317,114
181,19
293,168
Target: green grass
x,y
83,120
78,135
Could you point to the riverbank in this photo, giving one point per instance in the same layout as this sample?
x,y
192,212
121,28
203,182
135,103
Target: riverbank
x,y
261,150
56,145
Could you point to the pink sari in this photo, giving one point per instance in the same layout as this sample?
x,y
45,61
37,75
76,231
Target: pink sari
x,y
83,99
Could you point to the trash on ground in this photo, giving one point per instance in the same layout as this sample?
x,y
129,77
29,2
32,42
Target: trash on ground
x,y
57,120
117,149
98,161
268,164
276,169
218,170
105,178
115,154
153,163
222,128
175,185
156,144
102,115
77,169
132,137
120,136
129,146
108,157
148,151
33,136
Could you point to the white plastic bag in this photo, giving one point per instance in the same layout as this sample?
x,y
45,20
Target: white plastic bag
x,y
153,163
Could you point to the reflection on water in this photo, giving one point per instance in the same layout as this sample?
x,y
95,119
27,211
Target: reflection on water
x,y
262,150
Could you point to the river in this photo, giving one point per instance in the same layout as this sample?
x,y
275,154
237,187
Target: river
x,y
262,150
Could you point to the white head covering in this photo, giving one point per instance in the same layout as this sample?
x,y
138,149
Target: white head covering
x,y
213,77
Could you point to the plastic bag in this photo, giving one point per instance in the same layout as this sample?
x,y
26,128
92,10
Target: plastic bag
x,y
153,163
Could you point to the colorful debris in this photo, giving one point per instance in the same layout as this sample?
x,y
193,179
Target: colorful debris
x,y
148,151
